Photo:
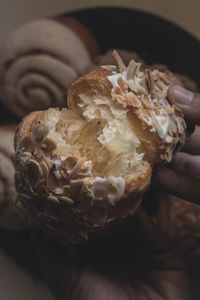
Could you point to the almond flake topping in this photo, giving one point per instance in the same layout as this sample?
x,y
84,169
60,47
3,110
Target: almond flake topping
x,y
123,84
110,68
169,110
132,100
132,68
145,90
119,61
145,101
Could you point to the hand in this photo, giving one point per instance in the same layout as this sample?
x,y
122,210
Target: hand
x,y
182,177
138,263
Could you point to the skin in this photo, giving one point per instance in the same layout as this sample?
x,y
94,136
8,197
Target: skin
x,y
139,261
142,266
181,177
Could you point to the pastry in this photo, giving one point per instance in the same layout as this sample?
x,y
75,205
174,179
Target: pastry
x,y
10,217
39,61
80,171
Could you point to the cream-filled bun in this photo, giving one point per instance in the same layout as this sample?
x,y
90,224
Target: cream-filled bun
x,y
81,170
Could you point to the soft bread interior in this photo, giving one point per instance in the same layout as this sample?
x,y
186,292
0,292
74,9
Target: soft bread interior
x,y
99,131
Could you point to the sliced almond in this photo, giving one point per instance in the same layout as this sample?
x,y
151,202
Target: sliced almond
x,y
137,88
145,101
110,68
120,100
178,111
116,90
150,83
155,122
169,139
119,61
131,69
160,85
144,84
40,132
123,84
169,110
132,100
48,145
53,199
66,200
181,126
70,162
132,85
164,78
145,113
138,67
44,168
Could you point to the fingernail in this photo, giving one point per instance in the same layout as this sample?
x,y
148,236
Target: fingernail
x,y
181,95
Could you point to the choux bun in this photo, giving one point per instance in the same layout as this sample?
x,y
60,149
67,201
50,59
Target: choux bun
x,y
81,170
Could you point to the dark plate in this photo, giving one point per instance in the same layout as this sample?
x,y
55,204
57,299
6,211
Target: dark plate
x,y
154,38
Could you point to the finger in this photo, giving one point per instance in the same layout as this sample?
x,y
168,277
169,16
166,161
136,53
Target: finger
x,y
193,144
172,182
187,101
60,267
186,164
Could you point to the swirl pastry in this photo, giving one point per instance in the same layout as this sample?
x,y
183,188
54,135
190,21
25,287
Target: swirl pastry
x,y
80,171
9,215
39,61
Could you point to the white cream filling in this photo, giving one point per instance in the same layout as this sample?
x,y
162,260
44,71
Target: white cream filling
x,y
163,123
114,78
117,135
163,126
118,140
111,188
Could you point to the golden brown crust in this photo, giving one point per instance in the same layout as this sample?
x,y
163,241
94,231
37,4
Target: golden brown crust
x,y
75,202
95,81
27,125
140,109
59,187
141,183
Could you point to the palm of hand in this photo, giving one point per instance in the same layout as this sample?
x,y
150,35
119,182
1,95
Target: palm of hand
x,y
122,267
131,280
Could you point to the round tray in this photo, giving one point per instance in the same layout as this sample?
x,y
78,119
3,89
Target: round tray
x,y
154,38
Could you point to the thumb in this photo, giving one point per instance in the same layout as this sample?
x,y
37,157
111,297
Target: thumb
x,y
187,101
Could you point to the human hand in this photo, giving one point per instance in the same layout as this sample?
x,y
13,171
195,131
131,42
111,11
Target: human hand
x,y
181,177
138,262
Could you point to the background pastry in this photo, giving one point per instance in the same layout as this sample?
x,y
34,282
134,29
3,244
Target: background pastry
x,y
40,59
10,217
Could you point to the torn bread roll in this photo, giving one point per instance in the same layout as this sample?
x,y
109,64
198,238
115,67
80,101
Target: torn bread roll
x,y
10,217
40,59
80,171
